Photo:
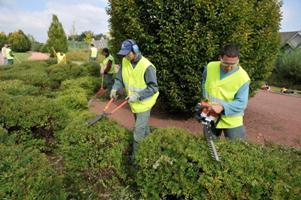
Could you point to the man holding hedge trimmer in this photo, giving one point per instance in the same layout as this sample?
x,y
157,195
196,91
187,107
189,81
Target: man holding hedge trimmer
x,y
138,76
226,87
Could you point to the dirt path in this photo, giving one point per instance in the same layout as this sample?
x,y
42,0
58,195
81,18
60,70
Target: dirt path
x,y
269,118
38,56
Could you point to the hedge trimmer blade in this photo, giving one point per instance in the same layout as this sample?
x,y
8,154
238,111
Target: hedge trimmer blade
x,y
210,142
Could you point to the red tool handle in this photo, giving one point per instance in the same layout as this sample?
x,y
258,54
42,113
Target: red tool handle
x,y
108,105
119,106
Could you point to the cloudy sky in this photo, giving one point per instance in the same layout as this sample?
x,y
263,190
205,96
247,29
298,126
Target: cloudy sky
x,y
34,16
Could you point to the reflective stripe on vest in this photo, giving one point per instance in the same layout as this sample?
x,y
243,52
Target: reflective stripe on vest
x,y
8,54
106,60
93,52
133,79
224,90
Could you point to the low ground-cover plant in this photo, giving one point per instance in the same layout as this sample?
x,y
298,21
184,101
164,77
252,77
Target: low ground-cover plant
x,y
18,87
31,72
173,164
94,158
25,173
36,116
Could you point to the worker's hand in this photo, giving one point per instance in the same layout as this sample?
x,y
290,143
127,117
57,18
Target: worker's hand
x,y
217,108
133,97
113,94
102,68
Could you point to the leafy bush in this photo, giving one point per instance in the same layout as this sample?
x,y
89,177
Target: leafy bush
x,y
19,41
93,158
60,72
78,55
3,39
288,70
173,164
17,87
180,37
26,173
33,73
33,117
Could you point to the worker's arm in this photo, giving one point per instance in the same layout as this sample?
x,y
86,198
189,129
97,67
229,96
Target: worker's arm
x,y
239,104
204,75
108,67
150,79
118,83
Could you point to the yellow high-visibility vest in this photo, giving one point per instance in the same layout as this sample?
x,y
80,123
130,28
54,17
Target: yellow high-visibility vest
x,y
8,54
106,60
93,52
133,79
219,91
61,58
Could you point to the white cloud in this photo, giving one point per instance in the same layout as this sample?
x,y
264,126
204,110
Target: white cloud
x,y
86,16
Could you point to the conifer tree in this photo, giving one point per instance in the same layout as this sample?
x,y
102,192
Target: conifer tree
x,y
57,38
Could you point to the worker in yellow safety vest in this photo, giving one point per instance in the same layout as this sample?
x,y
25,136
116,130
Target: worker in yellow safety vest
x,y
108,68
94,52
138,76
9,55
226,86
61,58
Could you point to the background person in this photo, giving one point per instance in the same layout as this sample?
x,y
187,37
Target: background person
x,y
94,52
108,68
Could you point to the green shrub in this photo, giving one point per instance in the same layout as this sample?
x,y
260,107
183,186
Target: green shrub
x,y
173,164
31,72
90,84
3,39
61,72
32,117
180,37
288,70
19,41
93,158
17,87
74,99
26,173
79,55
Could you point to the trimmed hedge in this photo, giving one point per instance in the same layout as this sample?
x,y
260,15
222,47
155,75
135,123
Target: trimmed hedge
x,y
17,87
31,72
94,158
32,117
173,164
180,37
25,173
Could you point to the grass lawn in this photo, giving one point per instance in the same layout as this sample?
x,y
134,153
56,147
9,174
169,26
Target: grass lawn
x,y
21,56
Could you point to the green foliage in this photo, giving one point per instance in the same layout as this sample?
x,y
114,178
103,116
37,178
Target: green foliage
x,y
57,38
93,158
17,87
173,164
32,117
19,41
78,55
180,37
26,173
60,72
3,39
33,73
288,70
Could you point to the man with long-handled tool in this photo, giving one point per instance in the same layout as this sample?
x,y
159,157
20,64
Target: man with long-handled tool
x,y
226,86
107,72
137,76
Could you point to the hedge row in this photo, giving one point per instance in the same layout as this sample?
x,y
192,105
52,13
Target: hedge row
x,y
94,158
173,164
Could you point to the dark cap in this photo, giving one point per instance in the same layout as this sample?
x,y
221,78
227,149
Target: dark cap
x,y
126,47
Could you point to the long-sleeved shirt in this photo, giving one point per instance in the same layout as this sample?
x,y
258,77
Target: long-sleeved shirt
x,y
150,79
240,101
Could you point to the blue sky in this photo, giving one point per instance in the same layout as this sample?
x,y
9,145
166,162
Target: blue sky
x,y
34,16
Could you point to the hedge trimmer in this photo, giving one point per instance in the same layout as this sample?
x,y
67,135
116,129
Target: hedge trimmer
x,y
104,114
208,118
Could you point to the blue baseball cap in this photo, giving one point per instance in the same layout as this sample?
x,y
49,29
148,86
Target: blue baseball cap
x,y
126,47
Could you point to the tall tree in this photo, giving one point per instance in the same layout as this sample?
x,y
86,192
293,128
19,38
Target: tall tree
x,y
57,38
180,37
3,39
19,41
